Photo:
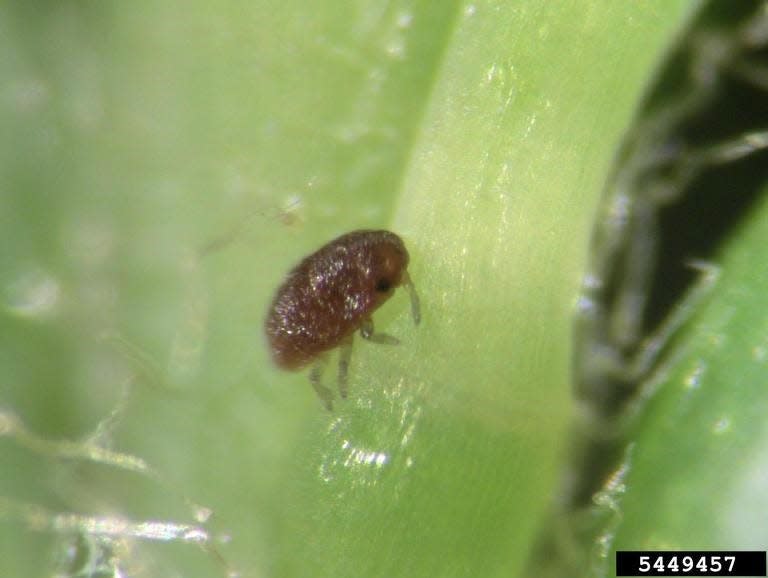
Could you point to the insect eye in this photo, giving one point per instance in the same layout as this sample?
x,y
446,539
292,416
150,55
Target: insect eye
x,y
383,285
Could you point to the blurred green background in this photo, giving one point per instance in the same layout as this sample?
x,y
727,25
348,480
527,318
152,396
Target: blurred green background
x,y
136,135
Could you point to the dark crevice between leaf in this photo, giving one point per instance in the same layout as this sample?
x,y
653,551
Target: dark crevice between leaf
x,y
689,218
702,98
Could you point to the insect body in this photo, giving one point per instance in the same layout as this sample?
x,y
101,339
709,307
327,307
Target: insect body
x,y
330,295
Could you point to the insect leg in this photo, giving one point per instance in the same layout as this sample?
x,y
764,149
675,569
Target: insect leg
x,y
345,352
367,332
315,378
415,305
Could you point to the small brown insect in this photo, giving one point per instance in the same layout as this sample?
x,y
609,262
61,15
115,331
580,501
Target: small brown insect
x,y
330,295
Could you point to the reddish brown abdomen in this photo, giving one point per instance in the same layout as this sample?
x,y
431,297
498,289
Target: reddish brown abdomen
x,y
328,295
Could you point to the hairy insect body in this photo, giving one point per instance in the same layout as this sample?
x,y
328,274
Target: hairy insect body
x,y
331,294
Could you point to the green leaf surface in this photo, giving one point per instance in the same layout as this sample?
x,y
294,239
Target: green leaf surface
x,y
136,135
